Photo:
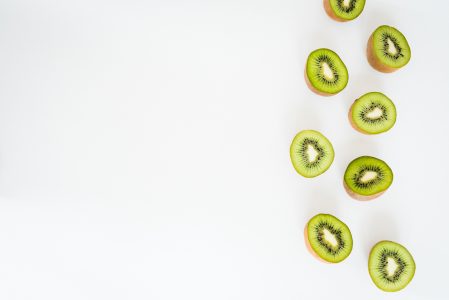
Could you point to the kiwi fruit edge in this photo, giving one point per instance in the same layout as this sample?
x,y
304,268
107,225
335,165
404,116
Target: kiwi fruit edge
x,y
330,12
344,70
309,247
358,128
326,149
374,60
357,196
315,252
373,265
312,88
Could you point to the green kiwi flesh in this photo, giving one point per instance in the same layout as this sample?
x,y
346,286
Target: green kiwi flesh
x,y
373,113
329,238
391,47
367,176
391,266
347,9
311,153
326,72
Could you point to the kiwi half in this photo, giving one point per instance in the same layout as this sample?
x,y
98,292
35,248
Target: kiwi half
x,y
388,49
311,153
391,266
372,113
328,238
325,72
367,178
343,10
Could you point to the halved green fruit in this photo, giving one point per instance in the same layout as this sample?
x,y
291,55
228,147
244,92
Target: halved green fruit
x,y
326,73
391,266
346,10
390,47
373,113
311,153
367,177
328,238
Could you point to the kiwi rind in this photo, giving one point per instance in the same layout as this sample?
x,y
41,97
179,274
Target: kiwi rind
x,y
309,247
376,189
333,13
377,61
312,88
325,149
407,263
372,97
337,66
358,196
321,251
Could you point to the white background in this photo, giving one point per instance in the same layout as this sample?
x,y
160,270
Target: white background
x,y
144,149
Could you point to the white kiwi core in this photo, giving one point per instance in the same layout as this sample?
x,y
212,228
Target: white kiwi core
x,y
368,176
327,71
375,113
312,153
330,238
391,47
391,266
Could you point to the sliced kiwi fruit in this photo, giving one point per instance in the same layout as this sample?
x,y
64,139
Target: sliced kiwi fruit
x,y
325,72
367,177
372,113
343,10
328,238
391,266
388,49
311,153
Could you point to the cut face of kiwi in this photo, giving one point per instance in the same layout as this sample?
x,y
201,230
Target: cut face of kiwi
x,y
367,177
325,73
344,10
328,238
311,153
372,113
391,266
388,49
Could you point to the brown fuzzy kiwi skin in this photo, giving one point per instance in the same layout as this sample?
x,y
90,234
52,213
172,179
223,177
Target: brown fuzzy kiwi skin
x,y
330,12
374,61
358,196
309,247
312,88
353,124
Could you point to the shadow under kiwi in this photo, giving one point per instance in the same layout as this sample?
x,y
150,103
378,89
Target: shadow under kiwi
x,y
363,82
318,39
320,200
378,226
305,117
375,18
354,148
